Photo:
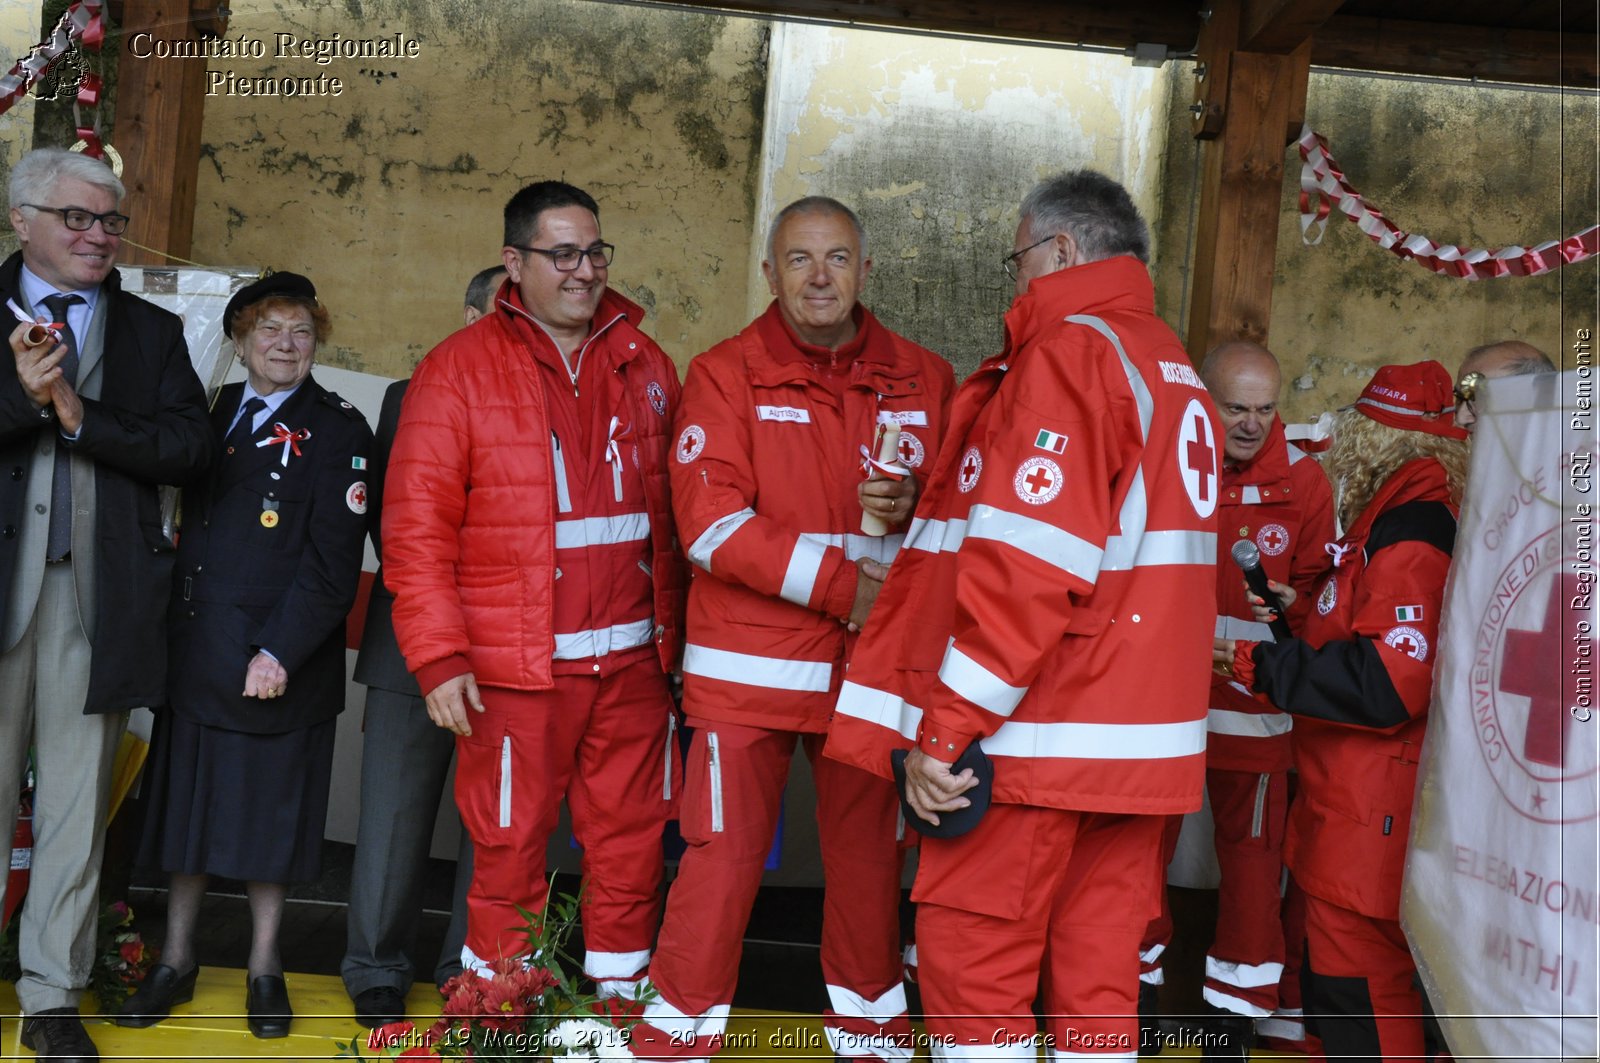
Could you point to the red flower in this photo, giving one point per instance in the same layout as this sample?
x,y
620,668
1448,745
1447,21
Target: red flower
x,y
132,952
385,1036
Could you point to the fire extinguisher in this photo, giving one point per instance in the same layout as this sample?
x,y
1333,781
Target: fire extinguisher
x,y
21,858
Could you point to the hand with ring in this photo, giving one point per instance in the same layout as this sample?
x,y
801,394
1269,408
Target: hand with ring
x,y
265,678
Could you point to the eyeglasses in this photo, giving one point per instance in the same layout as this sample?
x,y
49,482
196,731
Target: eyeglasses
x,y
81,221
1467,390
566,259
1013,260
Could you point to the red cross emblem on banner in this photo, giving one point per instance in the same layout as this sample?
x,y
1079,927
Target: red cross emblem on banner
x,y
1530,665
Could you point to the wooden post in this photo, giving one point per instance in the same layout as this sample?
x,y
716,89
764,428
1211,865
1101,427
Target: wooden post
x,y
1241,188
160,106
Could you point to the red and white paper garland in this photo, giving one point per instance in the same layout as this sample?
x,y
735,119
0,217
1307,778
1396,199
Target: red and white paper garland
x,y
83,24
1322,181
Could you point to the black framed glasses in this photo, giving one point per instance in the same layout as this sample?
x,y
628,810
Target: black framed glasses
x,y
81,221
1014,259
566,259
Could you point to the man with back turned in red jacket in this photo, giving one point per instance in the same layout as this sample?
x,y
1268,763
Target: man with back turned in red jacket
x,y
769,494
538,587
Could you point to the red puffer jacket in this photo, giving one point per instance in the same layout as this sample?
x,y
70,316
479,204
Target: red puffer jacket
x,y
469,516
1358,684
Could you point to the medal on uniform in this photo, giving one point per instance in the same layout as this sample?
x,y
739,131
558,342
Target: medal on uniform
x,y
269,513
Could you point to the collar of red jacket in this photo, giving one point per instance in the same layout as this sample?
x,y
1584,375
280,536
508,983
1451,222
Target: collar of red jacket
x,y
613,305
1269,466
871,342
1417,479
1121,283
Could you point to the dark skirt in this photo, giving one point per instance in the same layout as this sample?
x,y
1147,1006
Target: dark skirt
x,y
244,806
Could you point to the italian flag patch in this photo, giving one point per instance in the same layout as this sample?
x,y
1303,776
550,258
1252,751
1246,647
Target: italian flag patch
x,y
1054,442
1405,613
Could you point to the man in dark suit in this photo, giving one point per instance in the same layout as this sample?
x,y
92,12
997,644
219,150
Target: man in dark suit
x,y
91,421
404,761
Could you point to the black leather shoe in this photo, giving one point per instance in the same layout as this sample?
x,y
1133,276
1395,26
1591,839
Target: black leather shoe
x,y
161,989
58,1035
379,1006
267,1007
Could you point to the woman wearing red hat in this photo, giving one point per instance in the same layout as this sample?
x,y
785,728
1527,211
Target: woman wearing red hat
x,y
1358,681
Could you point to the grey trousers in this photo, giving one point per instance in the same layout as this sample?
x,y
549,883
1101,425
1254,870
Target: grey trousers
x,y
44,681
405,758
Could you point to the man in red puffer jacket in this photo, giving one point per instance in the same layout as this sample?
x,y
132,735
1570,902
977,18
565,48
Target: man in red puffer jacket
x,y
538,584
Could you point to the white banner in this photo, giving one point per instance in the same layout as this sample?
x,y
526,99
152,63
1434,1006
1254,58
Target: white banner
x,y
1500,898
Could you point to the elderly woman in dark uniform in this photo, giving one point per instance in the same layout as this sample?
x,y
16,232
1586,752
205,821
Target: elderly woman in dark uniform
x,y
268,563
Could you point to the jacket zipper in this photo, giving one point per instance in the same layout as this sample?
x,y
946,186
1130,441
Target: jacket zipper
x,y
715,762
563,497
1260,812
505,781
672,740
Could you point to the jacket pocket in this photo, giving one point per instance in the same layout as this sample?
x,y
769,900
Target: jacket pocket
x,y
714,781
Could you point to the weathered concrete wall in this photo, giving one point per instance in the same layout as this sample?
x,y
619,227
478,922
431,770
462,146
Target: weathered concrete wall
x,y
19,31
390,195
934,142
1476,166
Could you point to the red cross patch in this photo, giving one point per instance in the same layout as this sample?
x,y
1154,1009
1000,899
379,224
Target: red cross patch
x,y
356,497
658,398
1329,596
1038,480
910,451
1409,641
691,441
1197,458
971,468
1273,539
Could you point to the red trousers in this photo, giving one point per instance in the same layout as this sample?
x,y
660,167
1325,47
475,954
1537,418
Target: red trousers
x,y
1245,962
1036,900
731,797
1361,984
604,744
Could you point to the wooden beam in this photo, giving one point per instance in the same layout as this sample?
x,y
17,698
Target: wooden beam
x,y
1236,240
1533,57
1281,26
1174,23
160,105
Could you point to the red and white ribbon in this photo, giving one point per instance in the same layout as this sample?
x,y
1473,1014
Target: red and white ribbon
x,y
82,23
1324,184
290,438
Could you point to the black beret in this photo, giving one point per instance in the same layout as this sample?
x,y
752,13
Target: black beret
x,y
292,285
951,824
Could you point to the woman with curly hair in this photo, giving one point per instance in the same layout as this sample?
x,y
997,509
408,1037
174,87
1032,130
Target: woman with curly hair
x,y
1358,681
